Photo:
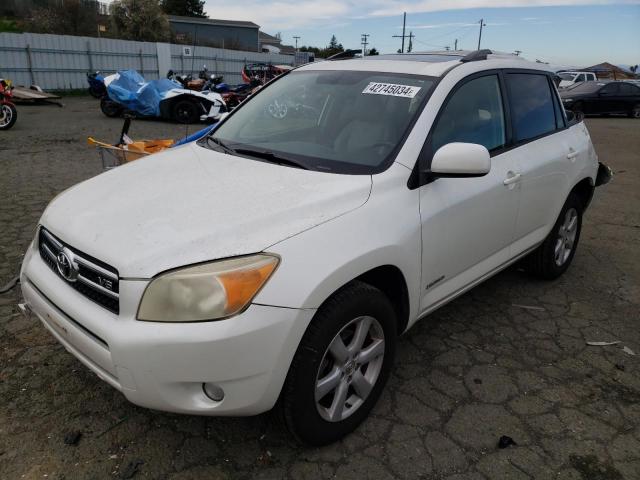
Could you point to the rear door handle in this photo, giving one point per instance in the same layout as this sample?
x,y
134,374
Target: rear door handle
x,y
572,154
512,178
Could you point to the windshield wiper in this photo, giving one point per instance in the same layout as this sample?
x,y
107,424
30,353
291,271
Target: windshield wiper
x,y
221,144
270,157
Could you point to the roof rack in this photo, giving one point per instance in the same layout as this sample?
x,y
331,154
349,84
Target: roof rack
x,y
344,55
477,55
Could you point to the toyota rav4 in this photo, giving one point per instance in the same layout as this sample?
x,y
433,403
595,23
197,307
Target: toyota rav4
x,y
276,261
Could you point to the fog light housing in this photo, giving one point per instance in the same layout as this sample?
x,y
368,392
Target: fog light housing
x,y
213,391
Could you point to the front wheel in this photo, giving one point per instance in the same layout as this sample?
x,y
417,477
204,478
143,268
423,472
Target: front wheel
x,y
110,108
8,116
635,111
341,365
553,257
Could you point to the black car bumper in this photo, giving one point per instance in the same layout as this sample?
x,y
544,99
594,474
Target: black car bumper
x,y
604,174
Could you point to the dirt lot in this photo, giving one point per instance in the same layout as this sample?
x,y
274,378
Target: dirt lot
x,y
479,368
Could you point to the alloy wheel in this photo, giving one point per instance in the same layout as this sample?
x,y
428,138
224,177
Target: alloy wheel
x,y
566,237
5,115
349,368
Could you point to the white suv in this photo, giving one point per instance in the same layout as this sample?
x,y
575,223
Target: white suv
x,y
277,260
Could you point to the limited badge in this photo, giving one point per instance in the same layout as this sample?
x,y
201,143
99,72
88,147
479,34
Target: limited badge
x,y
392,89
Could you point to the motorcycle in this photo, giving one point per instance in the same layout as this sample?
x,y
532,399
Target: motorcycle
x,y
128,92
8,112
233,95
97,88
188,82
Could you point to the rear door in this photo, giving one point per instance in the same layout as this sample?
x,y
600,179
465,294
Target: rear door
x,y
629,97
545,150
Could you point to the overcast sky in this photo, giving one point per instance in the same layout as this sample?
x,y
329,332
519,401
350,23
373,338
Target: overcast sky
x,y
576,32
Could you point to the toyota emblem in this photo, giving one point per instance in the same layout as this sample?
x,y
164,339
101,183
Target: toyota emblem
x,y
65,267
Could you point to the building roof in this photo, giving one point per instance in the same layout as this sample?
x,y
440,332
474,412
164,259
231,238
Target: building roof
x,y
212,21
265,37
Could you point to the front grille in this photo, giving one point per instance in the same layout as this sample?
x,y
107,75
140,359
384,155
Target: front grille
x,y
90,277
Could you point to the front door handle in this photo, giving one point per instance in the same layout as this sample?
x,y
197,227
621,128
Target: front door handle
x,y
512,178
572,154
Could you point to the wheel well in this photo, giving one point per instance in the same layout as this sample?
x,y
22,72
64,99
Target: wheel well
x,y
390,280
584,190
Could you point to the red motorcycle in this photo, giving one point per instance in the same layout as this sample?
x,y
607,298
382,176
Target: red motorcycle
x,y
8,112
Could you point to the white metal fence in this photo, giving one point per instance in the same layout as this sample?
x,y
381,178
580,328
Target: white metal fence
x,y
60,62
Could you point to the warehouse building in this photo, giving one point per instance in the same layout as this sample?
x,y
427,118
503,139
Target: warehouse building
x,y
232,34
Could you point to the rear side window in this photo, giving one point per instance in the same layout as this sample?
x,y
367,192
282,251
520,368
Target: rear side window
x,y
628,89
531,105
610,89
473,114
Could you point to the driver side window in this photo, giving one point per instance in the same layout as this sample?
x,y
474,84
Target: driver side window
x,y
474,114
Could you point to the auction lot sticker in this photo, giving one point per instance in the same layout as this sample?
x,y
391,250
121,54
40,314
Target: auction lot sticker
x,y
392,89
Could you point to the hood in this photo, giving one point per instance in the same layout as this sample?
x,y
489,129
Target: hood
x,y
191,204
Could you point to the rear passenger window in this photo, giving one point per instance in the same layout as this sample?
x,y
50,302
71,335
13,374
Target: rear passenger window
x,y
531,105
628,89
473,114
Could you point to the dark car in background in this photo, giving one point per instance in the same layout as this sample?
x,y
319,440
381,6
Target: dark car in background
x,y
603,97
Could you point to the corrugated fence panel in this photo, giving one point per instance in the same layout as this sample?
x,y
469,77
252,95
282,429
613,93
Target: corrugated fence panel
x,y
60,62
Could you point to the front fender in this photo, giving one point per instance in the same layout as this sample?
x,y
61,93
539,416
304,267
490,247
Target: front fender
x,y
384,231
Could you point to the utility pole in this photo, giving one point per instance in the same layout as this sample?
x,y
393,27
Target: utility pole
x,y
404,25
456,45
364,43
297,38
410,48
482,24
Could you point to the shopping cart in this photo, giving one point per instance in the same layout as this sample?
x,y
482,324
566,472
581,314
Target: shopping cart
x,y
127,150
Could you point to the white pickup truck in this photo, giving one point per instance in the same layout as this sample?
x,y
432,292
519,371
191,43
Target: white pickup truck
x,y
568,79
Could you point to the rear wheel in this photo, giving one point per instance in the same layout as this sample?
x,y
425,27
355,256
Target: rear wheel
x,y
185,111
635,111
341,365
8,116
553,257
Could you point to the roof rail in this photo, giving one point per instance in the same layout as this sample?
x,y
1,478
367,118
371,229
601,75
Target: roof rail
x,y
344,55
477,55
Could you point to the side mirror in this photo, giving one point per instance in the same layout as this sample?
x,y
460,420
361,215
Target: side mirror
x,y
461,160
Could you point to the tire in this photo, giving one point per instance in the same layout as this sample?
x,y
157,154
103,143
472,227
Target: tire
x,y
8,116
635,111
312,416
96,92
553,257
185,111
110,108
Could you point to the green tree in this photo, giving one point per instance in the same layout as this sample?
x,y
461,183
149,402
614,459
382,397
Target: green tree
x,y
373,51
78,17
185,8
141,20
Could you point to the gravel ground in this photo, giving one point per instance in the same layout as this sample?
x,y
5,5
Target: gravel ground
x,y
477,369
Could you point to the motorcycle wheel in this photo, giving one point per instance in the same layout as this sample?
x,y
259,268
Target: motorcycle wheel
x,y
110,108
185,111
8,116
96,92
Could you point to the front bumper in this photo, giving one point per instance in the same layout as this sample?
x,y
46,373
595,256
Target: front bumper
x,y
164,365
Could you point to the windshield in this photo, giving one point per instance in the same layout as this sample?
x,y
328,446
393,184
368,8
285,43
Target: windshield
x,y
335,121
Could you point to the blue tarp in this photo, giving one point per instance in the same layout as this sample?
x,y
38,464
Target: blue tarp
x,y
132,91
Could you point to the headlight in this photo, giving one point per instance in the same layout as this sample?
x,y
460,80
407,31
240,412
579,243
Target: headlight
x,y
210,291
